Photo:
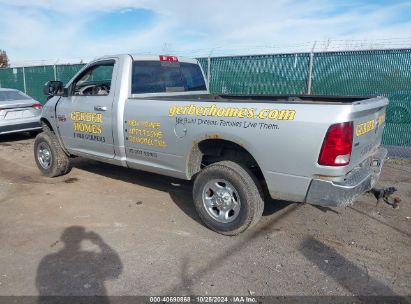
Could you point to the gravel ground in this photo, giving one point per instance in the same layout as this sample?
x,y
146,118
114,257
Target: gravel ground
x,y
108,230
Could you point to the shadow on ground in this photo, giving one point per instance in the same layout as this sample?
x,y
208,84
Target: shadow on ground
x,y
12,137
353,278
188,280
74,271
179,190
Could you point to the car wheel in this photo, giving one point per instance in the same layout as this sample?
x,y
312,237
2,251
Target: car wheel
x,y
228,197
49,156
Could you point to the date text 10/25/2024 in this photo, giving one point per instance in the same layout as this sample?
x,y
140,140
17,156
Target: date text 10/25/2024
x,y
203,299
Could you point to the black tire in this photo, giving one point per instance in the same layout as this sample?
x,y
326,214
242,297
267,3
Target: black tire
x,y
246,186
59,163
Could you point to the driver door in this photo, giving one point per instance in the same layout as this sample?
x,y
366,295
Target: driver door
x,y
85,116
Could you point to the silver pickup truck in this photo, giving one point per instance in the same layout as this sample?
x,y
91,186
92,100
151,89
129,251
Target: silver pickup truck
x,y
155,113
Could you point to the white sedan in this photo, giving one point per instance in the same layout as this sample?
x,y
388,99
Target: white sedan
x,y
18,112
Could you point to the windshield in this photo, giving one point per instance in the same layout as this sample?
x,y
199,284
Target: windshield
x,y
162,76
12,95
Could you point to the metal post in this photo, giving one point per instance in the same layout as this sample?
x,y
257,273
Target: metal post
x,y
24,80
208,71
55,72
310,69
209,68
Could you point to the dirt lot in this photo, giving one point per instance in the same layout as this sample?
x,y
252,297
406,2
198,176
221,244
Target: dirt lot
x,y
108,230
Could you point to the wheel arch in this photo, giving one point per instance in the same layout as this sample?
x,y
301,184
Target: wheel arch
x,y
211,150
46,124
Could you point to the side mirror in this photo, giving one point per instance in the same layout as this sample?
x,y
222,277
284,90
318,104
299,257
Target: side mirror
x,y
53,88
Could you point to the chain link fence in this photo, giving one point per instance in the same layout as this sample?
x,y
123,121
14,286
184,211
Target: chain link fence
x,y
374,72
32,79
361,73
385,73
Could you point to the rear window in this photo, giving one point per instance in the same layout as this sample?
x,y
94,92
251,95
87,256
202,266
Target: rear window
x,y
162,77
12,95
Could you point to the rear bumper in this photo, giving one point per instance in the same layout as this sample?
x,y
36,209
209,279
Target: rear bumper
x,y
21,126
339,194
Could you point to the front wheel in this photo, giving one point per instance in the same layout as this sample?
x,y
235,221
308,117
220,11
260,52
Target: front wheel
x,y
49,156
228,197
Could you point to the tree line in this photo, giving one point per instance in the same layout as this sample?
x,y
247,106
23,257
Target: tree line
x,y
4,60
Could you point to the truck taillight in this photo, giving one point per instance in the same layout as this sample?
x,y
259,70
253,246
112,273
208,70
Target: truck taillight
x,y
37,106
168,58
337,145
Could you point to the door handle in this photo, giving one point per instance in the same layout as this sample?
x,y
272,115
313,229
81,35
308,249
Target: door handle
x,y
100,108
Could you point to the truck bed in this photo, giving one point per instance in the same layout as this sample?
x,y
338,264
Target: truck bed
x,y
304,99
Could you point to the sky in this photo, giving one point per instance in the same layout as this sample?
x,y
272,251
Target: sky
x,y
51,29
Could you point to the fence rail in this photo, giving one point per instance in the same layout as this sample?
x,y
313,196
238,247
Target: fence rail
x,y
373,72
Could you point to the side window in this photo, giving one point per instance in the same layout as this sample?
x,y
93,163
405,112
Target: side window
x,y
193,76
95,81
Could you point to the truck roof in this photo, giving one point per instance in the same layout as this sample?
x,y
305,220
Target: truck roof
x,y
139,57
157,58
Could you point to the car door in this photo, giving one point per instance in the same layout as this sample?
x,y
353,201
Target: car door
x,y
85,117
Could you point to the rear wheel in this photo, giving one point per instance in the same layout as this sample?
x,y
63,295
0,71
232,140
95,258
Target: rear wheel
x,y
49,156
228,197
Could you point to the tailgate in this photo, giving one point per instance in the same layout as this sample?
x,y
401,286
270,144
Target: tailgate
x,y
369,123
